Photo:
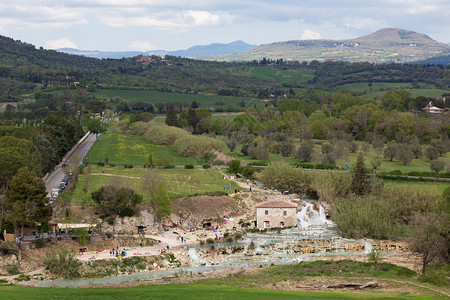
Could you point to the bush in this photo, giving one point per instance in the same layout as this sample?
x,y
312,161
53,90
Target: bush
x,y
40,242
127,212
189,166
198,146
62,263
12,269
168,166
206,166
384,216
209,241
112,165
108,235
8,248
101,164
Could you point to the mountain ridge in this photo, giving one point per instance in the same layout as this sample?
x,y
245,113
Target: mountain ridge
x,y
192,52
383,46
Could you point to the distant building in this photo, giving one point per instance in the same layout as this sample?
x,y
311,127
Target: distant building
x,y
433,110
276,213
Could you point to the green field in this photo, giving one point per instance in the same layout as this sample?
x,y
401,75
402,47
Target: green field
x,y
378,89
123,148
179,182
187,291
156,97
432,187
291,77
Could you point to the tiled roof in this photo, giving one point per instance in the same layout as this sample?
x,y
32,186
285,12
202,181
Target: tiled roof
x,y
276,204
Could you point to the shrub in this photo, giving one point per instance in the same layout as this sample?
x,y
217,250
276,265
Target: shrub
x,y
100,164
108,235
206,166
61,262
8,248
189,166
40,242
169,166
209,241
161,134
12,269
198,146
127,212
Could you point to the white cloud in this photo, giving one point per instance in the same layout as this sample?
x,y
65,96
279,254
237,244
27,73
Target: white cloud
x,y
141,46
164,20
308,34
60,43
359,23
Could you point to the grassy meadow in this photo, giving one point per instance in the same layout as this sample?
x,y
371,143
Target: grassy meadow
x,y
179,182
156,97
121,148
189,291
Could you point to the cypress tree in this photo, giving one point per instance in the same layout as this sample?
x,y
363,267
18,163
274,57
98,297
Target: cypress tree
x,y
359,177
171,116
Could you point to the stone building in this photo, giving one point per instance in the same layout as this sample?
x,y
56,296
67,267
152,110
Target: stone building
x,y
276,213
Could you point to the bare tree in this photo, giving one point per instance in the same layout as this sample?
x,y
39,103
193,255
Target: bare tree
x,y
429,236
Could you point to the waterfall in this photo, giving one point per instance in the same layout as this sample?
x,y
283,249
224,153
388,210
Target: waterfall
x,y
367,247
308,216
195,257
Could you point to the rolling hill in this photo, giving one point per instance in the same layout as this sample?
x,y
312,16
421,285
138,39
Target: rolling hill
x,y
383,46
192,52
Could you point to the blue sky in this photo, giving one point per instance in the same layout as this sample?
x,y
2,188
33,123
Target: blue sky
x,y
143,25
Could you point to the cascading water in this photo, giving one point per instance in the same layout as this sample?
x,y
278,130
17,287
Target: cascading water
x,y
308,216
367,247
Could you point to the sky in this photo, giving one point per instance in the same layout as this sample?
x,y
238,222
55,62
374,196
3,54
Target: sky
x,y
143,25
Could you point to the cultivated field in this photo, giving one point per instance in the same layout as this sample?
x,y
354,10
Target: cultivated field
x,y
156,97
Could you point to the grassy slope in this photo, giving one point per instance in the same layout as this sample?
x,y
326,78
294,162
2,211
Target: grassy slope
x,y
180,182
132,149
156,97
186,291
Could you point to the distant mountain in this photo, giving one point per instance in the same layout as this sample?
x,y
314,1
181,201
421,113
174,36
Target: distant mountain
x,y
195,51
383,46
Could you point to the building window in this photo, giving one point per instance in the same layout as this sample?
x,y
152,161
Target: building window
x,y
266,212
285,213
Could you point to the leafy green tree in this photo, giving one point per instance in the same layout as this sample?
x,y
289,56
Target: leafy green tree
x,y
83,235
389,151
234,166
437,165
431,153
171,116
115,199
27,202
162,202
96,125
95,106
404,154
305,151
359,183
